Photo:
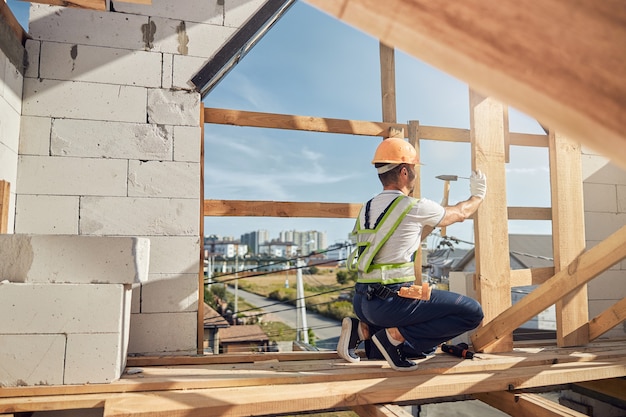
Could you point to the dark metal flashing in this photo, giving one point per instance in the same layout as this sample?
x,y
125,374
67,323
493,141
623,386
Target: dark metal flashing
x,y
239,44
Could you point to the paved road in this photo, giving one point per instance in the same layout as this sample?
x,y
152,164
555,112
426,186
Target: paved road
x,y
326,330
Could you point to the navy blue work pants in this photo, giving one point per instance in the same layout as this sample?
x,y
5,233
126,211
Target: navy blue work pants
x,y
424,324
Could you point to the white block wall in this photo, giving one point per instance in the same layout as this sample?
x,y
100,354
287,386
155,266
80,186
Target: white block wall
x,y
604,187
55,334
110,142
11,81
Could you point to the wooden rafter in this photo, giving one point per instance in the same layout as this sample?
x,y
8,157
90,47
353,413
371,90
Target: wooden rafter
x,y
608,319
351,127
526,405
560,63
580,271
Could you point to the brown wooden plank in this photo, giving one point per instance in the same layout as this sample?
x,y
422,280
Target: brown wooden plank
x,y
9,18
527,139
83,4
529,213
216,371
388,83
292,122
377,410
352,127
5,194
568,235
400,387
281,209
580,271
526,405
545,77
533,276
200,314
608,319
613,388
487,128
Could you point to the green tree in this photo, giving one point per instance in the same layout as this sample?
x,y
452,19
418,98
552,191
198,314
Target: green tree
x,y
343,276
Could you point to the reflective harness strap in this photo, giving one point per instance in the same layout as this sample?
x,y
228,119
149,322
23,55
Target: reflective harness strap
x,y
375,273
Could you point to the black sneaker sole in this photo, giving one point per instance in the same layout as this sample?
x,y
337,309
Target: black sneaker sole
x,y
393,366
343,346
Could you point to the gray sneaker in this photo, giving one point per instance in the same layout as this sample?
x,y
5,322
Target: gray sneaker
x,y
393,354
349,340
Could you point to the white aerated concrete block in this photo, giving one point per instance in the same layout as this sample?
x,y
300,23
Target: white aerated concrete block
x,y
13,81
83,100
61,308
163,332
174,254
138,216
195,39
93,358
163,179
237,12
72,176
74,259
170,293
185,68
187,143
35,135
9,125
32,58
168,71
63,61
208,11
173,107
89,27
52,334
600,197
31,359
100,139
46,214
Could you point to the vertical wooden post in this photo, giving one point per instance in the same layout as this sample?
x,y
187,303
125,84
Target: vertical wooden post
x,y
414,139
493,267
388,83
5,193
200,338
568,235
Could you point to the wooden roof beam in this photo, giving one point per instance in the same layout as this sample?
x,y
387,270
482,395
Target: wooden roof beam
x,y
580,271
354,127
561,64
526,405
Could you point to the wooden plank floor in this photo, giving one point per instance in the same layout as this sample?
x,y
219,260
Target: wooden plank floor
x,y
269,384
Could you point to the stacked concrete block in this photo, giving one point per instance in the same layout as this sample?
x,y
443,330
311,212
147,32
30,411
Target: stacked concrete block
x,y
110,141
66,306
604,188
11,81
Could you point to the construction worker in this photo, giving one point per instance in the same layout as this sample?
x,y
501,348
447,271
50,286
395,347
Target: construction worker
x,y
399,315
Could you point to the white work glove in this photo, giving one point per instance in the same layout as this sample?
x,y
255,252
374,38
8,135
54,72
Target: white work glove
x,y
478,184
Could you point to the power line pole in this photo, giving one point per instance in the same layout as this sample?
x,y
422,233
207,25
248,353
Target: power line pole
x,y
300,304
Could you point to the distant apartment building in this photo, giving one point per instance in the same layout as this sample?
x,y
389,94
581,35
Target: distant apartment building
x,y
279,249
307,242
214,245
255,239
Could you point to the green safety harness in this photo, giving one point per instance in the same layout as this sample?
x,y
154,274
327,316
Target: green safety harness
x,y
369,242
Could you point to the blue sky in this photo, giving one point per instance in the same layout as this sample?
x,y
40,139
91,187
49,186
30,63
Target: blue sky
x,y
311,64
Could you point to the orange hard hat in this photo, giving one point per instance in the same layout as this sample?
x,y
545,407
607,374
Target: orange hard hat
x,y
395,151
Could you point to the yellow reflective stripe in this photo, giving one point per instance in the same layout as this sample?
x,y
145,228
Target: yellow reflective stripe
x,y
386,267
387,281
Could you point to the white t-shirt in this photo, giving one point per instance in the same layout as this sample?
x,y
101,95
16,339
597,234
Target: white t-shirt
x,y
406,239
